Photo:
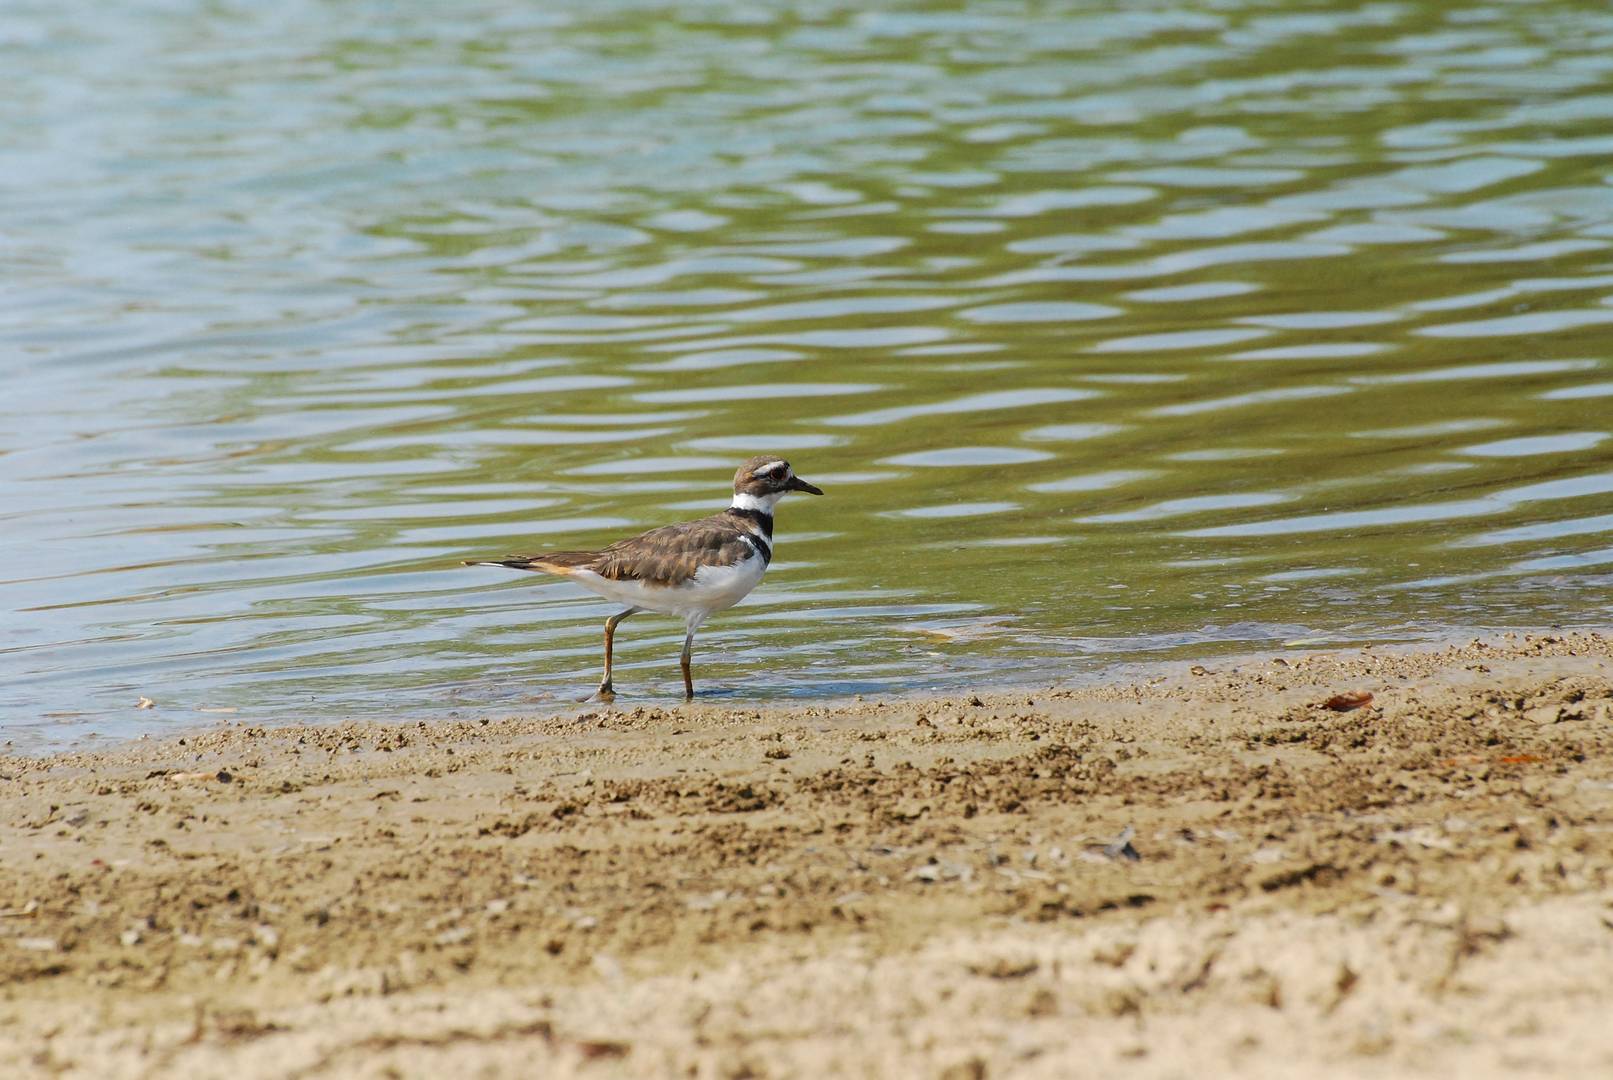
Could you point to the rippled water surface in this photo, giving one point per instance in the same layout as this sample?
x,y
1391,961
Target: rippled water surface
x,y
1111,330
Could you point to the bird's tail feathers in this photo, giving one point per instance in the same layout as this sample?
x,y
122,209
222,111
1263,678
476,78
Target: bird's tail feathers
x,y
554,562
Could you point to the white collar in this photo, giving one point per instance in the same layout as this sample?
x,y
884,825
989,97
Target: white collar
x,y
762,503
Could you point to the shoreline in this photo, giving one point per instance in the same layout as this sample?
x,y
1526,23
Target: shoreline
x,y
927,885
546,703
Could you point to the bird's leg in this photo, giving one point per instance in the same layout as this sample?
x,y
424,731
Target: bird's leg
x,y
606,691
688,684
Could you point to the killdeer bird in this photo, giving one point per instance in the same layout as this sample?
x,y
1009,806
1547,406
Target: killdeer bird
x,y
690,569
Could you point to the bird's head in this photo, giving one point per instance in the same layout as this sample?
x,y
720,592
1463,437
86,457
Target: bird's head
x,y
764,479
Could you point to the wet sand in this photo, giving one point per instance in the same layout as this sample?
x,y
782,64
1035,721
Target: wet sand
x,y
1418,885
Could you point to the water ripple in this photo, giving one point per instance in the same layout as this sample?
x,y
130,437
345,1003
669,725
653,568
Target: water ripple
x,y
991,402
1204,325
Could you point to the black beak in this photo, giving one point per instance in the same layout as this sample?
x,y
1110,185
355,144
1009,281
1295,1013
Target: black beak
x,y
798,484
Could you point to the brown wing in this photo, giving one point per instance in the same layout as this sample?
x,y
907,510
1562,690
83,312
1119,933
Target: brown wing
x,y
665,556
672,554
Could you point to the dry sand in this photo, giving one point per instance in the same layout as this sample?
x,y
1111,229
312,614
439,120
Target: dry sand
x,y
1417,886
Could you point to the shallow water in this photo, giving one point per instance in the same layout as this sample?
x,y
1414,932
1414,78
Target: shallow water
x,y
1111,331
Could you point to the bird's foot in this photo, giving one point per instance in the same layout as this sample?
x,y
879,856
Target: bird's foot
x,y
606,693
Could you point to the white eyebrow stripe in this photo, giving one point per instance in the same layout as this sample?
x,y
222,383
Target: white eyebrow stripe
x,y
771,466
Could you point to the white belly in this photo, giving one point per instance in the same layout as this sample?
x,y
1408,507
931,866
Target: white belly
x,y
713,588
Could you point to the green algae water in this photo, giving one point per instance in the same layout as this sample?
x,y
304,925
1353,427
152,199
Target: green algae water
x,y
1113,331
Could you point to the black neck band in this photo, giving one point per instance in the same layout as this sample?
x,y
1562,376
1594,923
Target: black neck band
x,y
765,520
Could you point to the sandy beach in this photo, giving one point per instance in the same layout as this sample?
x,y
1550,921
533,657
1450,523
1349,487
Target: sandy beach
x,y
1243,867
